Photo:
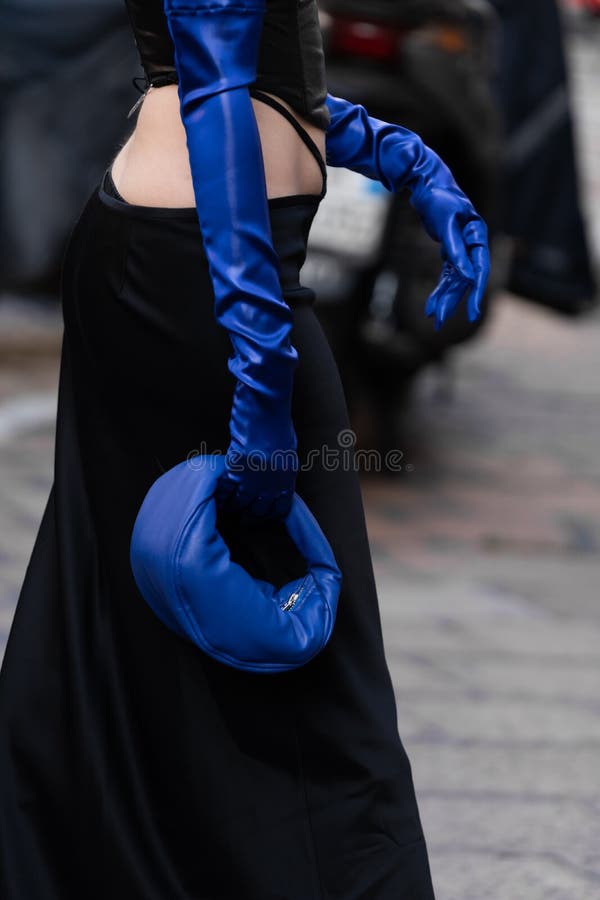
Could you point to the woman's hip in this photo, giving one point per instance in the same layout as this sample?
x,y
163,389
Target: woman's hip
x,y
138,308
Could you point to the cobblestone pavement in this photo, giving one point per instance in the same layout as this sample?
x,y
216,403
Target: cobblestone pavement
x,y
487,556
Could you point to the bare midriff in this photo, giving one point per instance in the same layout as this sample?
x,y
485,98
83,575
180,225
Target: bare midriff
x,y
152,168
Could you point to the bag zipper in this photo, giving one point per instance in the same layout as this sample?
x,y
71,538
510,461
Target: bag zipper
x,y
294,597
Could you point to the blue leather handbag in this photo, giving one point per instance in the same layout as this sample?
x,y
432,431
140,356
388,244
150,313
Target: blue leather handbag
x,y
183,569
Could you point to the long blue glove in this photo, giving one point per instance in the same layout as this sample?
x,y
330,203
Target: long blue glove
x,y
398,158
216,48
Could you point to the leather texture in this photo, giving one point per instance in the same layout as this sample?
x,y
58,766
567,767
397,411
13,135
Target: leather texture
x,y
290,62
398,158
183,569
216,46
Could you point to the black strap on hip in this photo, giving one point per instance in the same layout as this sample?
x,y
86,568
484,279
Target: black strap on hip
x,y
303,134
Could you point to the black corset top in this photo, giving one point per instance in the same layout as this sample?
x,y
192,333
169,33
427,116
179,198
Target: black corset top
x,y
290,64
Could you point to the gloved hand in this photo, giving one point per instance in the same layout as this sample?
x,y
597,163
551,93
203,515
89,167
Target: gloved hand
x,y
398,158
216,49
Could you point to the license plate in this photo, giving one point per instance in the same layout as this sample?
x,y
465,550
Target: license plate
x,y
351,218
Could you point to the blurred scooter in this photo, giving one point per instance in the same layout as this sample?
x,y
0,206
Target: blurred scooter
x,y
424,65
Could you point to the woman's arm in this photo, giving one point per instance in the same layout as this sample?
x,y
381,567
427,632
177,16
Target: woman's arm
x,y
398,158
216,48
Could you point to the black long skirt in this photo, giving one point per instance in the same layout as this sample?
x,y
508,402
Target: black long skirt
x,y
132,765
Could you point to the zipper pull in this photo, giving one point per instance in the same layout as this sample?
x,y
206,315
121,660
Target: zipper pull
x,y
292,600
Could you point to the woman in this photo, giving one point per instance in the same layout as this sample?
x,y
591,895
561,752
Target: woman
x,y
131,764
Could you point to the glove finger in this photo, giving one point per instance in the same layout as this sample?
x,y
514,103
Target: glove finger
x,y
436,295
449,284
231,497
454,249
448,304
481,266
439,290
475,233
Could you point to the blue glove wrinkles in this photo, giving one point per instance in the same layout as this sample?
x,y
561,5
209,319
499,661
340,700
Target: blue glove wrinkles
x,y
216,48
398,158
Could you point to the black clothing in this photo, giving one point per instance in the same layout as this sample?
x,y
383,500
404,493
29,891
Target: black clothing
x,y
131,764
290,64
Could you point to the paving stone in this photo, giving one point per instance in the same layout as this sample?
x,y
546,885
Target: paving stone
x,y
545,770
473,874
480,715
530,826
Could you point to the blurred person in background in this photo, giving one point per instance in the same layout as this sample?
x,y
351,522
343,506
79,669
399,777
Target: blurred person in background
x,y
51,155
131,764
541,208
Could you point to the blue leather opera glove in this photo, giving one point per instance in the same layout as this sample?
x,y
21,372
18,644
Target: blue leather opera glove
x,y
216,48
398,158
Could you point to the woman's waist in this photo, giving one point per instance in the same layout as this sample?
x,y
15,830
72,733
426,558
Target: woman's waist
x,y
153,168
170,237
